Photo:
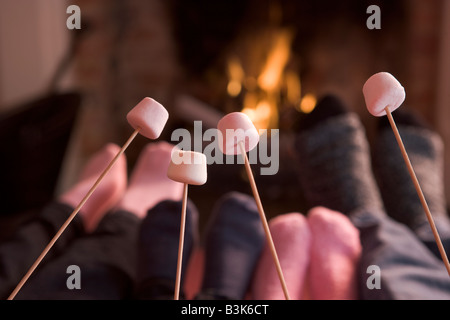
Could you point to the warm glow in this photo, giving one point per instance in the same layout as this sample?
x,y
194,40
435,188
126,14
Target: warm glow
x,y
236,76
268,82
270,77
293,87
262,114
234,88
308,103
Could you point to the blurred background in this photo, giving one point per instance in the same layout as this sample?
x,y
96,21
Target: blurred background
x,y
65,93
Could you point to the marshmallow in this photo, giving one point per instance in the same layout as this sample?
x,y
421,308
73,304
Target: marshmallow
x,y
188,167
236,127
149,117
382,90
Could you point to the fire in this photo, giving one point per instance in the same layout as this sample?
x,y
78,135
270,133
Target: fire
x,y
262,114
270,78
236,77
264,93
308,103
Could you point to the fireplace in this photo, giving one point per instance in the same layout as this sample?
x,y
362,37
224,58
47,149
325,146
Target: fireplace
x,y
269,59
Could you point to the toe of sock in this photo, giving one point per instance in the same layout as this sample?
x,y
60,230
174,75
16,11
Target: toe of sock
x,y
292,239
327,107
335,254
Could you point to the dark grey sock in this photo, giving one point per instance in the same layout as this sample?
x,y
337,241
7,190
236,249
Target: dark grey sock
x,y
234,240
334,161
425,151
158,242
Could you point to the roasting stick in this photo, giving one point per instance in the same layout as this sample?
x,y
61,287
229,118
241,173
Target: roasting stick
x,y
262,216
243,138
418,190
176,295
187,167
383,94
148,118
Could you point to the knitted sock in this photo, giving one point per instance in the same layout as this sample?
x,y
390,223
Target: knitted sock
x,y
425,151
292,239
335,254
334,159
234,239
149,183
108,192
158,244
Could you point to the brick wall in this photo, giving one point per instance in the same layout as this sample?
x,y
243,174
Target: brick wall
x,y
125,53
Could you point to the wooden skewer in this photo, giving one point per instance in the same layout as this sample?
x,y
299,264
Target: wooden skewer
x,y
72,215
264,220
181,244
418,190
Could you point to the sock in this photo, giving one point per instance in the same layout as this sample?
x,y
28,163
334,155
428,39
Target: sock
x,y
425,151
158,243
292,239
335,254
234,239
149,183
108,192
334,159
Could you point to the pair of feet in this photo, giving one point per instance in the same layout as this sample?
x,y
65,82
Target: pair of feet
x,y
338,170
147,185
318,253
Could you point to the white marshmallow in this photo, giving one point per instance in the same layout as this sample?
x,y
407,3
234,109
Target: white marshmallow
x,y
188,167
236,127
383,90
149,117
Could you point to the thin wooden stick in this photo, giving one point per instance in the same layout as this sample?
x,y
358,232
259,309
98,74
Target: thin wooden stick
x,y
418,189
72,215
181,244
264,221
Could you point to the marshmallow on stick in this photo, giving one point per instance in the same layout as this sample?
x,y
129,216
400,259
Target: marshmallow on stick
x,y
187,167
148,118
240,136
384,94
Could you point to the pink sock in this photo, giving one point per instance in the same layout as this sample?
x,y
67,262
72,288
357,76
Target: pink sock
x,y
292,240
108,191
335,253
149,183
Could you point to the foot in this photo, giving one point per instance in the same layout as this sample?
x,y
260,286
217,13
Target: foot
x,y
334,159
335,254
149,183
108,192
234,240
292,239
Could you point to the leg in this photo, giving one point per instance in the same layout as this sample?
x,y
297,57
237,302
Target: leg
x,y
336,173
408,270
425,150
105,259
19,253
